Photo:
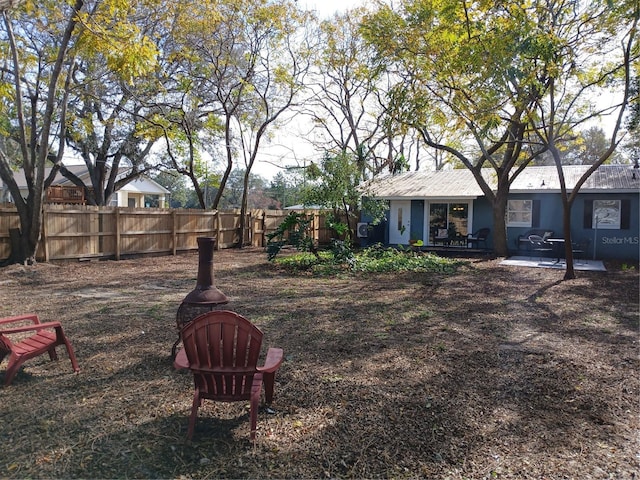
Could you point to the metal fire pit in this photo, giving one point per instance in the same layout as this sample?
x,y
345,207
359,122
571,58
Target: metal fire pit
x,y
205,297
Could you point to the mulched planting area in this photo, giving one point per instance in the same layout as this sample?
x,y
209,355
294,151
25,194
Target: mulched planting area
x,y
492,372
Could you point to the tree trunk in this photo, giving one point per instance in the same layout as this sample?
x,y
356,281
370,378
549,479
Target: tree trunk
x,y
500,244
243,208
16,255
570,273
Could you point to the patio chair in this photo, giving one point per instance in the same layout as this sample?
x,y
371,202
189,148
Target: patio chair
x,y
524,244
35,340
479,237
580,249
540,245
441,236
221,349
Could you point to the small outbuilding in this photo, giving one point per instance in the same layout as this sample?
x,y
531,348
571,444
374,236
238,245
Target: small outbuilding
x,y
449,204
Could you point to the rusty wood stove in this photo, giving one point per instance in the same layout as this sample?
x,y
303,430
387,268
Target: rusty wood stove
x,y
205,297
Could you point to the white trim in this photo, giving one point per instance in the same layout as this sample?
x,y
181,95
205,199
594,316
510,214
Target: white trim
x,y
426,228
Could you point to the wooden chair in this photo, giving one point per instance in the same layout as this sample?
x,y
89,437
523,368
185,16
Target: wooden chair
x,y
40,338
221,349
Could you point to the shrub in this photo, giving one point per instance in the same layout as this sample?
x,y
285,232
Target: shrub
x,y
374,259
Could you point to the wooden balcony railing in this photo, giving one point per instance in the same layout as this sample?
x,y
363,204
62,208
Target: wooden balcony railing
x,y
60,194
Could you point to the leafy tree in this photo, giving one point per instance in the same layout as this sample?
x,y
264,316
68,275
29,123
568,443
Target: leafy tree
x,y
185,114
40,43
594,142
632,143
185,132
333,185
584,148
107,108
281,46
244,62
286,187
175,183
234,191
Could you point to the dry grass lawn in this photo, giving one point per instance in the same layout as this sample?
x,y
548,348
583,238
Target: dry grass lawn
x,y
492,372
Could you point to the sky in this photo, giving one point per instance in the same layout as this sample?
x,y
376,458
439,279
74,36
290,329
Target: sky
x,y
288,147
329,7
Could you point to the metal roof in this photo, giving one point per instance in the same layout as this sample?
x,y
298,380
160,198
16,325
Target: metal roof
x,y
610,178
460,183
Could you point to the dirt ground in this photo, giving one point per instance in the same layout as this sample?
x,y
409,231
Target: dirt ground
x,y
493,372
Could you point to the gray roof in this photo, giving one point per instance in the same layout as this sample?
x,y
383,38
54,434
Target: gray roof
x,y
142,184
460,183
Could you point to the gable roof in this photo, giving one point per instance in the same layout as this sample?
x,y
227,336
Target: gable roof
x,y
460,183
142,184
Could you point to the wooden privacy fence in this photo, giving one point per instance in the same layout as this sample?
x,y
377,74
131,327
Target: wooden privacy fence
x,y
85,232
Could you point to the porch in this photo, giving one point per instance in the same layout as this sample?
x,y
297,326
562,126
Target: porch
x,y
453,250
65,194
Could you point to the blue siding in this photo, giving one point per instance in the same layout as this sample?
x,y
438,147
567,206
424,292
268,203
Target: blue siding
x,y
549,218
621,244
377,233
482,217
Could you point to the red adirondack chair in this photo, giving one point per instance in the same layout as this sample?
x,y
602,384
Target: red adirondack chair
x,y
221,349
44,339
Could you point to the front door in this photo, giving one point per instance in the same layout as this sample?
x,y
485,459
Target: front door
x,y
449,221
400,222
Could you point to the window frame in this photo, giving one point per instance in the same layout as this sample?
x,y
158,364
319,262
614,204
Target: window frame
x,y
616,224
510,210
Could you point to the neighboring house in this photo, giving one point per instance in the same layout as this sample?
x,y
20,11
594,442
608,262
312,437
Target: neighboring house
x,y
428,205
140,193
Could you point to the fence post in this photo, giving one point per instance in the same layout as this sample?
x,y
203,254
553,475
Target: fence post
x,y
117,222
218,223
174,232
315,225
45,239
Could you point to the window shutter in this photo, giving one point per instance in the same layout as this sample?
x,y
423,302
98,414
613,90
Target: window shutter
x,y
625,214
588,214
535,213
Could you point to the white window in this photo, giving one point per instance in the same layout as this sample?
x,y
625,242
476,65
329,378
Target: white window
x,y
519,213
606,214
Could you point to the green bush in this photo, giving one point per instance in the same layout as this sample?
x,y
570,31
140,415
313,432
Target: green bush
x,y
374,259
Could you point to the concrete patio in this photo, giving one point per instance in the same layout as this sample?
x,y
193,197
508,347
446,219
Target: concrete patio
x,y
537,262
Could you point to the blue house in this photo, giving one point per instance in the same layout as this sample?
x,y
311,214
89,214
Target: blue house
x,y
444,207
